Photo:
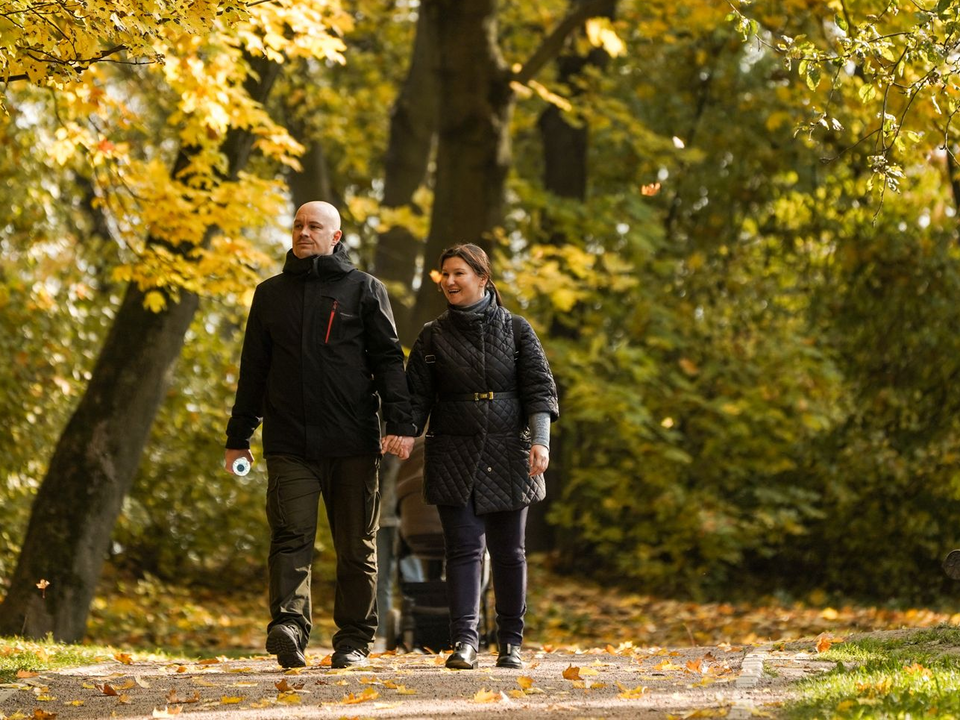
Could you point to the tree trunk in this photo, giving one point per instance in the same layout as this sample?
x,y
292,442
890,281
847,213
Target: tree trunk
x,y
96,458
413,126
313,181
473,153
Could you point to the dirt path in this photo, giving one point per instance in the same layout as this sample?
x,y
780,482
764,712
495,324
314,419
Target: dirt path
x,y
612,683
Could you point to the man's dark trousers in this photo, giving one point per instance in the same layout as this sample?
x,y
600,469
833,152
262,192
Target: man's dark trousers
x,y
349,486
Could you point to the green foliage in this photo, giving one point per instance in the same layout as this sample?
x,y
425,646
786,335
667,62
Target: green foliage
x,y
758,366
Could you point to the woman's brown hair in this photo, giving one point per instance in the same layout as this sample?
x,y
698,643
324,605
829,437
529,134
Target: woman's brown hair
x,y
476,258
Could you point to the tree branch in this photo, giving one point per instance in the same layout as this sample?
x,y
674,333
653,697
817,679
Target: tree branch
x,y
553,43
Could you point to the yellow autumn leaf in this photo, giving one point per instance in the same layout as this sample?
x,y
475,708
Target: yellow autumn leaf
x,y
366,696
486,696
289,698
571,673
631,693
125,657
230,700
525,682
167,711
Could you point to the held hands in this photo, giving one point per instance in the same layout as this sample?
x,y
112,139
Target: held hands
x,y
539,459
399,445
230,456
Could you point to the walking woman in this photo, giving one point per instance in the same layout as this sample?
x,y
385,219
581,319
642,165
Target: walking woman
x,y
480,375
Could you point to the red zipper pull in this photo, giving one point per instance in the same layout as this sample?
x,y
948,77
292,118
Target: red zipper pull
x,y
330,322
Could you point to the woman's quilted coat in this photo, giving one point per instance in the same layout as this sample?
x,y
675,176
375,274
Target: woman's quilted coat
x,y
481,447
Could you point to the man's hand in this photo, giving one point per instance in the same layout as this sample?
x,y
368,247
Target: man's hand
x,y
539,459
399,445
229,456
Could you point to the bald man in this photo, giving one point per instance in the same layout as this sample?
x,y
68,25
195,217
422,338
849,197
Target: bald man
x,y
320,357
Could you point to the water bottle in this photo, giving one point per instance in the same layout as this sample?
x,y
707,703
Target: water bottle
x,y
241,466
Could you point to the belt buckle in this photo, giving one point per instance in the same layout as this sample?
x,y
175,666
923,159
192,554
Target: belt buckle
x,y
477,397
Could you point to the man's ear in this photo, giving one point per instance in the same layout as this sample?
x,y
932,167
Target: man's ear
x,y
336,236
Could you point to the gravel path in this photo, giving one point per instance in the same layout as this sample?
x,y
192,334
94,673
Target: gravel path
x,y
625,682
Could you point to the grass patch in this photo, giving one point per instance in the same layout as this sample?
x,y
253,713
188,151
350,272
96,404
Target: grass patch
x,y
30,656
915,675
19,655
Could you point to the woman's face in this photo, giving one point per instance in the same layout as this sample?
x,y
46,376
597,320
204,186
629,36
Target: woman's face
x,y
460,284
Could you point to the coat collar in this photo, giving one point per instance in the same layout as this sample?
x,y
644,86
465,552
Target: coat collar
x,y
324,267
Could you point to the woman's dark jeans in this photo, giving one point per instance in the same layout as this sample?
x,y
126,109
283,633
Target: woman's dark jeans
x,y
466,534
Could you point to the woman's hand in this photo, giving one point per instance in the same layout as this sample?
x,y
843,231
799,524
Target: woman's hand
x,y
399,445
539,459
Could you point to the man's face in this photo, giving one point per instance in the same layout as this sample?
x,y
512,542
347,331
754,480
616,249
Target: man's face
x,y
315,231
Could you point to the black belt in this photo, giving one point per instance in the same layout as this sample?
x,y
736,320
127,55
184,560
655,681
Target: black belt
x,y
478,396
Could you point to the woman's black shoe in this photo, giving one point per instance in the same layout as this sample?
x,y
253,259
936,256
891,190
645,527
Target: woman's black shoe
x,y
464,657
509,656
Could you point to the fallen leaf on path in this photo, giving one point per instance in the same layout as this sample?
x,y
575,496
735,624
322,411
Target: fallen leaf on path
x,y
403,690
75,703
366,696
27,674
231,700
107,690
695,665
486,696
174,699
39,714
141,682
571,673
525,682
823,643
209,661
290,698
627,693
203,683
284,686
167,711
124,658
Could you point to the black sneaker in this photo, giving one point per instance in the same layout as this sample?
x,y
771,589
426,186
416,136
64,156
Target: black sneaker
x,y
284,642
346,656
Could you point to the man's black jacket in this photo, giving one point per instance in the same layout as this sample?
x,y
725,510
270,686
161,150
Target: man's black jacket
x,y
320,345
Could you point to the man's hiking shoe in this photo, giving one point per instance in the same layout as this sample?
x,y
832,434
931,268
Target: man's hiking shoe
x,y
284,642
951,565
347,657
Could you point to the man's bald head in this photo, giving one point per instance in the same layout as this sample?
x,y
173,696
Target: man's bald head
x,y
316,229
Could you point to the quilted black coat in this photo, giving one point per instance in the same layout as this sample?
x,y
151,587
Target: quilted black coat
x,y
480,448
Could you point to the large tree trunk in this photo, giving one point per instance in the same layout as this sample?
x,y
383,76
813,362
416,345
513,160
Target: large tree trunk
x,y
97,455
473,153
413,127
565,148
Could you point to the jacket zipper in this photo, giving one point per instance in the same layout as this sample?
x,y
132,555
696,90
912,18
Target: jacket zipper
x,y
333,310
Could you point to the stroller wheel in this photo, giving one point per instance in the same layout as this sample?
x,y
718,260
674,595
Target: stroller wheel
x,y
392,628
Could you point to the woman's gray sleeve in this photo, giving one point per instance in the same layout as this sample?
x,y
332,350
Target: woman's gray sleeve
x,y
540,429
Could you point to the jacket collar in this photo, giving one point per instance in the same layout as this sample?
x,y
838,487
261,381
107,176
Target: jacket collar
x,y
324,267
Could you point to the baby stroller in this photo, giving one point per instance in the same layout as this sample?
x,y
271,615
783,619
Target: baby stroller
x,y
423,619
